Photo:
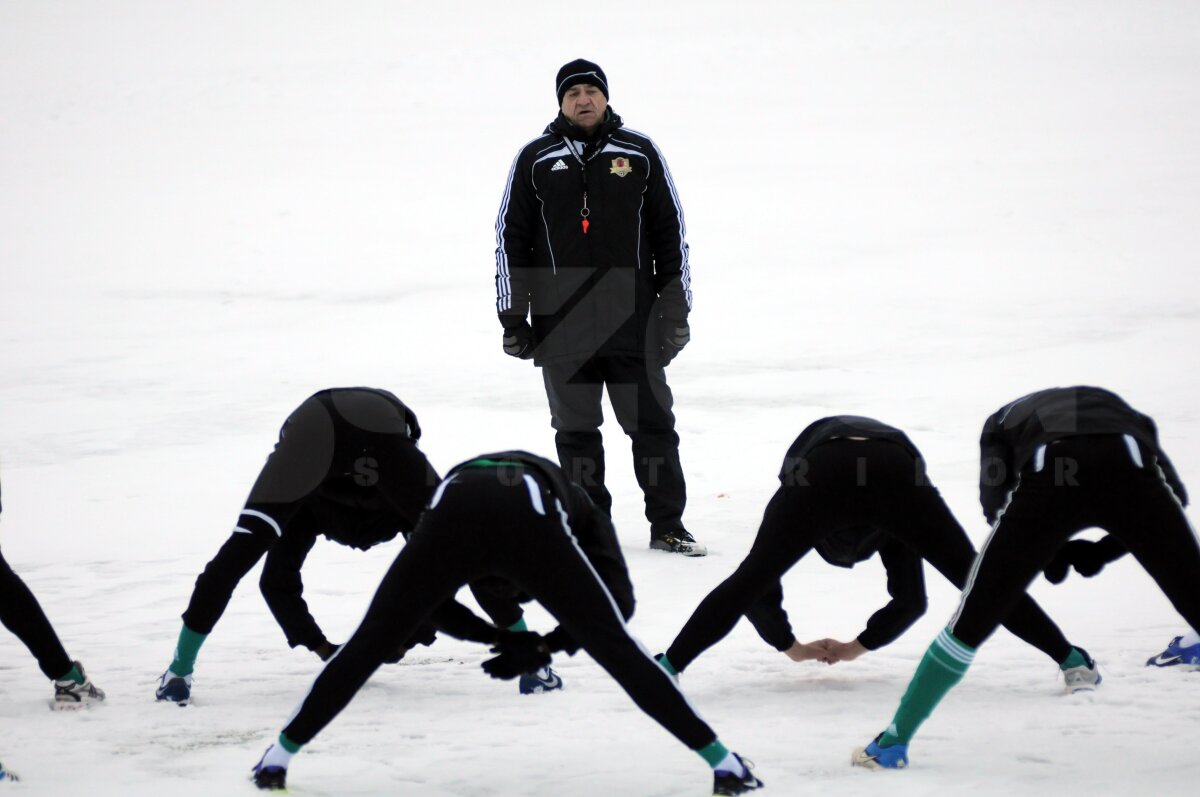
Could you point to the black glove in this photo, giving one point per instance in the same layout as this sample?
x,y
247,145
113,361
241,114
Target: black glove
x,y
675,335
520,652
1088,558
518,341
560,639
396,655
325,650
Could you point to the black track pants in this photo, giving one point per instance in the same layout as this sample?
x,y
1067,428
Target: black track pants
x,y
22,614
480,526
642,402
1101,481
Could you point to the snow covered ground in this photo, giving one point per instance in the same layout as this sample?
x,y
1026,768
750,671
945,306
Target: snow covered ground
x,y
911,210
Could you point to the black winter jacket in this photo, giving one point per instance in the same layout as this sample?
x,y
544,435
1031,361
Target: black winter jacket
x,y
599,288
1014,432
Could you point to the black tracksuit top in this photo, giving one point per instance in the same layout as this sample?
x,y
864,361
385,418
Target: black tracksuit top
x,y
1014,433
599,291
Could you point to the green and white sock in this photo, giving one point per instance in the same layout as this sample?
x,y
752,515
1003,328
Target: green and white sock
x,y
943,666
720,758
186,650
280,754
519,625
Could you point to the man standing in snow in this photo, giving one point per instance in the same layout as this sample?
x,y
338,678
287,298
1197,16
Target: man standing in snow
x,y
22,614
1052,464
851,486
593,285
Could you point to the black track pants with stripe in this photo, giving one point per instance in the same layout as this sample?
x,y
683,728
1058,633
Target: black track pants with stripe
x,y
1091,481
478,527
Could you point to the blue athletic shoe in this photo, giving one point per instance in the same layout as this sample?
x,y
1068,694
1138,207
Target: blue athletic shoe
x,y
1176,654
8,774
875,757
175,688
534,684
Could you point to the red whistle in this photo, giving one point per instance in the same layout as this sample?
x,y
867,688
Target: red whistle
x,y
585,226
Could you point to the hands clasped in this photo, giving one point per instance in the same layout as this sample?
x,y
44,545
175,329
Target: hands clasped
x,y
829,651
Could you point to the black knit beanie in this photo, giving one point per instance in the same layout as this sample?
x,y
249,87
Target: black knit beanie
x,y
580,71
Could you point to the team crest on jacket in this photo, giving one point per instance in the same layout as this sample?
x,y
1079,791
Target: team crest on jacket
x,y
620,167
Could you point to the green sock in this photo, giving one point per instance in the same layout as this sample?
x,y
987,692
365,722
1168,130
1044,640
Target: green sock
x,y
186,650
666,664
944,664
519,625
72,675
288,744
1075,659
714,753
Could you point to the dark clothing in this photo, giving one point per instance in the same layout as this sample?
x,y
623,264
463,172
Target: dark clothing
x,y
1112,481
514,523
597,290
864,494
346,466
642,402
1016,432
591,247
22,614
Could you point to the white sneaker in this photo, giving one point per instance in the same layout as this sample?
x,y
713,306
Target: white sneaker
x,y
70,696
1085,677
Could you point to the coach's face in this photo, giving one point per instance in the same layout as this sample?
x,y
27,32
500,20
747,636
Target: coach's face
x,y
585,105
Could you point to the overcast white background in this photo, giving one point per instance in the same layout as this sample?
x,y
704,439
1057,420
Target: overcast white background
x,y
915,211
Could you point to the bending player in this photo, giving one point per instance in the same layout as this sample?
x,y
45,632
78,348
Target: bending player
x,y
1053,463
510,517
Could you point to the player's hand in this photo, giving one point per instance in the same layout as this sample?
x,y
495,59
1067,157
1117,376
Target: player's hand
x,y
801,651
396,655
1087,557
520,652
326,650
842,651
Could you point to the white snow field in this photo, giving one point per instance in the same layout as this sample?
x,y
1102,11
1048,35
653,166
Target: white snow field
x,y
911,210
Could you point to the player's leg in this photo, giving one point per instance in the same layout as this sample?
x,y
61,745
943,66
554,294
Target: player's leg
x,y
787,532
928,526
563,580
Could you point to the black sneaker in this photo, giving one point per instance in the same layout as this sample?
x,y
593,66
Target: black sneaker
x,y
727,783
676,541
270,778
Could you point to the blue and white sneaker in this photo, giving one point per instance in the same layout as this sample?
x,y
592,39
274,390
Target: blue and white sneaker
x,y
1176,654
175,688
544,680
6,774
875,757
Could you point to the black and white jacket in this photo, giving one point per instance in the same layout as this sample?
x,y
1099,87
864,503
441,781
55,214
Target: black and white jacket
x,y
591,243
1013,434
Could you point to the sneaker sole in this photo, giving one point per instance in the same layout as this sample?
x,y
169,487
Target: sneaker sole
x,y
694,550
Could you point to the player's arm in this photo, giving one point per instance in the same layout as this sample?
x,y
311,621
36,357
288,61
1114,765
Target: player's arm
x,y
283,589
906,586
